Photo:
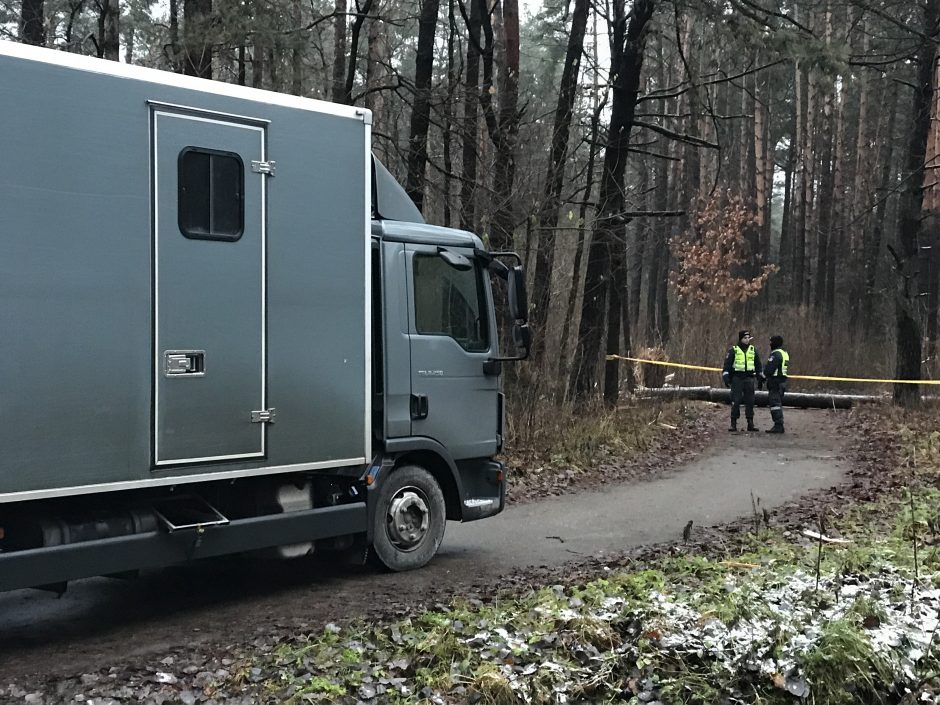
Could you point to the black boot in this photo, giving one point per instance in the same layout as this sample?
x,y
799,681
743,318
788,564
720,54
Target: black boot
x,y
750,426
734,426
776,429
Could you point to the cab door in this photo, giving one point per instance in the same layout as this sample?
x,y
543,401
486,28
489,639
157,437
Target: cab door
x,y
453,399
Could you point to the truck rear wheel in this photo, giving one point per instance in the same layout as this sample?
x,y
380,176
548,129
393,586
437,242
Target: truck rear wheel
x,y
409,519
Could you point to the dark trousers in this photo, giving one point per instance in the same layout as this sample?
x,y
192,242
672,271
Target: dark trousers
x,y
775,392
742,389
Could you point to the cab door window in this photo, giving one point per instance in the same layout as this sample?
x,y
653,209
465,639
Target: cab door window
x,y
450,302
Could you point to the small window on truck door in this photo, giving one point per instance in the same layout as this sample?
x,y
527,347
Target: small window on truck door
x,y
450,302
211,194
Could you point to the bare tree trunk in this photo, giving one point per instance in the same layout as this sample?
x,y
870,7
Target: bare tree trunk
x,y
656,281
109,38
377,73
628,49
909,220
599,105
32,22
761,186
129,37
173,53
639,254
450,114
297,50
558,156
887,182
615,308
197,39
421,110
470,118
803,192
273,66
362,12
789,184
258,63
339,52
503,125
837,236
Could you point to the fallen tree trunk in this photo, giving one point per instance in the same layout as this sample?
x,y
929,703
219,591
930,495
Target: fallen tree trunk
x,y
795,399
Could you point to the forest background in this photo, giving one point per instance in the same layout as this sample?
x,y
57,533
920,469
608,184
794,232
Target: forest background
x,y
669,171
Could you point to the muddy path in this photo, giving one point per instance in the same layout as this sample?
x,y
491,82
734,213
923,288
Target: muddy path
x,y
225,604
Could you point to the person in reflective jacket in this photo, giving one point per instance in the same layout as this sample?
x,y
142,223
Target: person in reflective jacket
x,y
742,368
776,372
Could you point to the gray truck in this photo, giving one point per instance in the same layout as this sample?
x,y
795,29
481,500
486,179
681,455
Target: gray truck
x,y
224,327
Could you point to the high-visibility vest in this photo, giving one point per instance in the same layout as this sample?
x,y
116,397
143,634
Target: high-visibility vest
x,y
784,368
744,361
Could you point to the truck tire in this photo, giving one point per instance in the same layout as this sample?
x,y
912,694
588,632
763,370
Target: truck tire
x,y
409,519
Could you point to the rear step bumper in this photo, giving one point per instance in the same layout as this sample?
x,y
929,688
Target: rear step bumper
x,y
57,564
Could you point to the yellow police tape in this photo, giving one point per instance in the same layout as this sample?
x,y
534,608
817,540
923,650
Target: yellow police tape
x,y
816,377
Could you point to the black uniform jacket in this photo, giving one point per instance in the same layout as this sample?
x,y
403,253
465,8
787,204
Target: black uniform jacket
x,y
774,363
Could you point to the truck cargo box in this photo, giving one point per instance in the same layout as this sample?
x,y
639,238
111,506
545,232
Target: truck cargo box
x,y
183,279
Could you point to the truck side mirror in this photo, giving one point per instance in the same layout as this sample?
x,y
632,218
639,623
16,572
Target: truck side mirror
x,y
518,299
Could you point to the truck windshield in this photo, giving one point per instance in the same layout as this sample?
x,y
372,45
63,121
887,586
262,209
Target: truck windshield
x,y
450,302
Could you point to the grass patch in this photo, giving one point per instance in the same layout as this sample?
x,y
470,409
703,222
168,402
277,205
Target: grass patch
x,y
565,442
690,629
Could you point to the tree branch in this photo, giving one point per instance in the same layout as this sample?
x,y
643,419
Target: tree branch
x,y
727,79
678,136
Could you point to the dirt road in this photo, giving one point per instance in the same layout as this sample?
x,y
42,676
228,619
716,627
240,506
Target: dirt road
x,y
100,622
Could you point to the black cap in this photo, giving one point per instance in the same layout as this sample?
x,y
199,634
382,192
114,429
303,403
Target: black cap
x,y
743,333
776,341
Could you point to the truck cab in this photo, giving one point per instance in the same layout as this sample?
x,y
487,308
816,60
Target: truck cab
x,y
437,398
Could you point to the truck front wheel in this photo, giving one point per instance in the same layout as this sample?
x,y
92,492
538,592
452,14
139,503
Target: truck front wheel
x,y
409,519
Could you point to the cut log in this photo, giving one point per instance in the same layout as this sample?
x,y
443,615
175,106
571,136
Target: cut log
x,y
795,399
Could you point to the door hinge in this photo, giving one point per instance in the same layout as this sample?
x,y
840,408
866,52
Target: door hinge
x,y
263,416
266,168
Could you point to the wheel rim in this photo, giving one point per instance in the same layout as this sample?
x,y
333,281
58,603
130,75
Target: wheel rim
x,y
408,518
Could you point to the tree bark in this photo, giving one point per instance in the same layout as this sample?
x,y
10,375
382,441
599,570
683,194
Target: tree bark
x,y
297,50
450,110
627,53
109,37
362,12
32,23
909,220
377,72
502,124
887,182
421,110
470,117
558,156
338,92
599,106
197,39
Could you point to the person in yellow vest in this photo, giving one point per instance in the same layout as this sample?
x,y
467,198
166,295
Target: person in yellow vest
x,y
776,371
741,370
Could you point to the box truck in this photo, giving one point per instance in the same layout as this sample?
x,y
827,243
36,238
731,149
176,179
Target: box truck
x,y
224,327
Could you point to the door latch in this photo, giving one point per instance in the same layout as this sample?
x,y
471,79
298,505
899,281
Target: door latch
x,y
189,363
263,416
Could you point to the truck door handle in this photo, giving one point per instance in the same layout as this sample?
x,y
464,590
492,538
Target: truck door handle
x,y
419,406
